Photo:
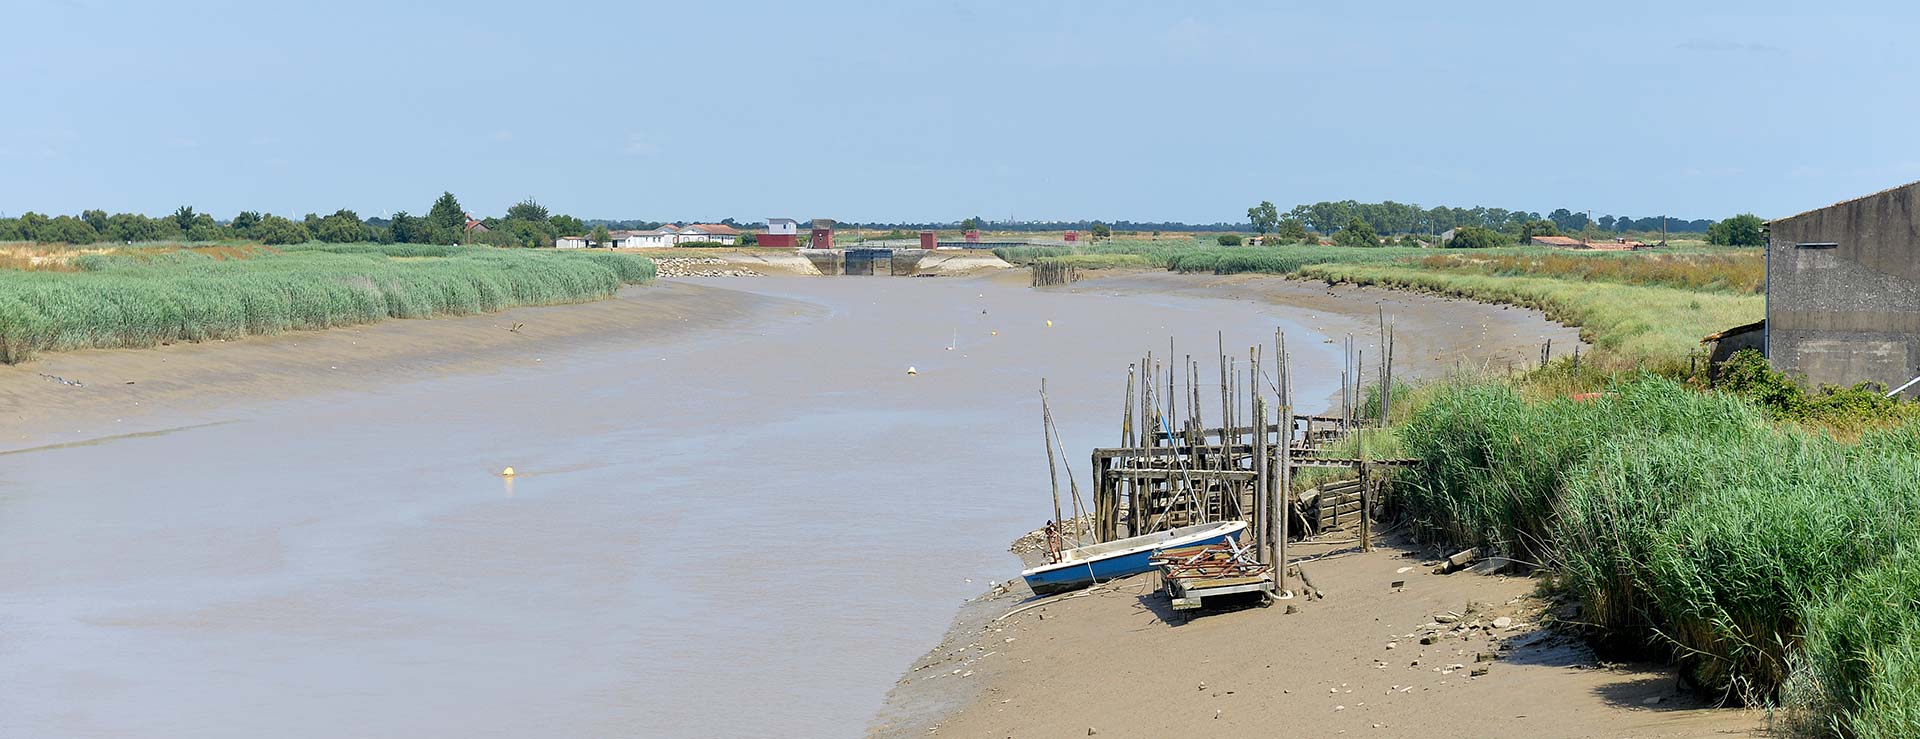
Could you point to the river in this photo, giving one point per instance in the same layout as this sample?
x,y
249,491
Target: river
x,y
747,532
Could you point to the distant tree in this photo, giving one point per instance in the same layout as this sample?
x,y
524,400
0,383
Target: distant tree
x,y
131,227
407,229
1100,231
31,224
1310,239
1290,229
204,228
1532,229
750,239
447,216
343,227
1623,224
67,230
971,224
1606,223
1567,221
95,218
1264,217
564,225
1227,240
1745,229
276,230
600,235
527,210
1474,237
243,224
1357,233
183,218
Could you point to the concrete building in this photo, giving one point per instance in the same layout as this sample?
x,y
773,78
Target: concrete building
x,y
1843,290
570,242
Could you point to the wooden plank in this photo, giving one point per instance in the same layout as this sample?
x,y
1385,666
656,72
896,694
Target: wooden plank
x,y
1204,475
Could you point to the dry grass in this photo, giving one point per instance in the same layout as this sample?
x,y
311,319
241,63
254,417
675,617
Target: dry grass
x,y
1739,272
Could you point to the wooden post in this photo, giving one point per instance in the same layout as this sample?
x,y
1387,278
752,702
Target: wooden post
x,y
1279,499
1366,509
1260,464
1046,419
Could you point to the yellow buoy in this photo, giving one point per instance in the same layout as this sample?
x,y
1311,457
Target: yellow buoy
x,y
995,333
508,472
1049,324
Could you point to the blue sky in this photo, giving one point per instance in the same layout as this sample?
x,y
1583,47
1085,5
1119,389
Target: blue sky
x,y
938,111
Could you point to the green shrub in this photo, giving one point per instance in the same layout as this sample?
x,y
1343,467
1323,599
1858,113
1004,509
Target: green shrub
x,y
702,245
1475,237
1749,374
1228,240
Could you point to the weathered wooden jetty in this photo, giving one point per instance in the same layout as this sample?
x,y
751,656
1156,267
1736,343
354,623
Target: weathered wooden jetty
x,y
1174,468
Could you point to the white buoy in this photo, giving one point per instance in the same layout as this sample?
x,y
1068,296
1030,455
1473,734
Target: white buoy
x,y
508,472
912,371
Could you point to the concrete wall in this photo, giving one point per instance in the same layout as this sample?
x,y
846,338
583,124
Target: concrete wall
x,y
1849,312
825,260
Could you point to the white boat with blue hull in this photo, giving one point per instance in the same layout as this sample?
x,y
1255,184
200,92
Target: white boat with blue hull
x,y
1083,566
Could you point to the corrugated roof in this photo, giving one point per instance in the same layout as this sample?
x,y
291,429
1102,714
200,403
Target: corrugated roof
x,y
1735,331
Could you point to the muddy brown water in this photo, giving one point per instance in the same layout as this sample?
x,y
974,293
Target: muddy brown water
x,y
748,532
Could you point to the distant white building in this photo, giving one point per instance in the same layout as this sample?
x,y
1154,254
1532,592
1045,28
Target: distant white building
x,y
662,236
708,232
570,242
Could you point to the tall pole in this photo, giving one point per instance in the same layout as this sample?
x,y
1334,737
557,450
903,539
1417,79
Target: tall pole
x,y
1278,499
1053,476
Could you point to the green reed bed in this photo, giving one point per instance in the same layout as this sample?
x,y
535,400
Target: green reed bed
x,y
146,299
1630,322
1282,260
1690,526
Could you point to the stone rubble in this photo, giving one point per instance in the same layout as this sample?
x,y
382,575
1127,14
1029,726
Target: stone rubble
x,y
698,267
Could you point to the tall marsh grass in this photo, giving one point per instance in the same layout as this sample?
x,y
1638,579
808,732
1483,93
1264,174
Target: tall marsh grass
x,y
135,299
1742,272
1690,526
1635,323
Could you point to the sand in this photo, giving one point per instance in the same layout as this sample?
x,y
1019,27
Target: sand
x,y
1121,663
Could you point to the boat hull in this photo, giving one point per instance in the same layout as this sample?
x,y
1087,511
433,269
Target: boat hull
x,y
1129,561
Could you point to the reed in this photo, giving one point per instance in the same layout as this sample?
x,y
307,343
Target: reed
x,y
1690,526
136,299
1741,272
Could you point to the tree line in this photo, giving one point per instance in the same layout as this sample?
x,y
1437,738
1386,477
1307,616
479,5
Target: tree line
x,y
1360,224
527,223
1408,218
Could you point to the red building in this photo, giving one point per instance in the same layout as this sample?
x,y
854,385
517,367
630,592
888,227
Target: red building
x,y
928,240
822,237
781,232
